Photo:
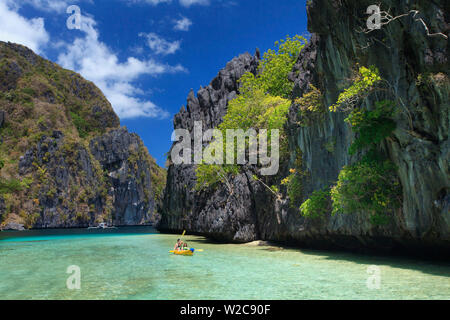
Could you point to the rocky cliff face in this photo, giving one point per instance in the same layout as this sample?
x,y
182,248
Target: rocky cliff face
x,y
130,173
68,163
405,55
215,213
403,52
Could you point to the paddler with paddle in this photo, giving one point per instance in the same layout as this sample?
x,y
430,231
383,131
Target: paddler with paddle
x,y
179,245
183,246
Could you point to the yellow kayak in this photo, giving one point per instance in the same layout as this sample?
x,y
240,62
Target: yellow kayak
x,y
183,252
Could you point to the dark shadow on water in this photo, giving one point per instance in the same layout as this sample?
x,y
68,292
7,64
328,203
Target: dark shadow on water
x,y
432,267
438,268
428,266
204,241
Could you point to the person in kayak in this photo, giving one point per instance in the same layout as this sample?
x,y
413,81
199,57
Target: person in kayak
x,y
178,245
186,247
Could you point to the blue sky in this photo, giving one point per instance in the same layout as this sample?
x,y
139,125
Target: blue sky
x,y
146,55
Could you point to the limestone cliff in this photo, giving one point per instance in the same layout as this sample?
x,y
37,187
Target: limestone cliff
x,y
67,161
415,65
214,214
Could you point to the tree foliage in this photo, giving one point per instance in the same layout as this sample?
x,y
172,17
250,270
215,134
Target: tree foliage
x,y
311,106
261,104
360,87
12,185
81,124
277,64
294,187
255,110
370,186
317,205
274,69
371,126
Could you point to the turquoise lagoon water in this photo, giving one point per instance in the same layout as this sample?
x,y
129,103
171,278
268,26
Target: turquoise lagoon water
x,y
135,264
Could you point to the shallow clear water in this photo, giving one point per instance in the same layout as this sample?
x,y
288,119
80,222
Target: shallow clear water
x,y
138,266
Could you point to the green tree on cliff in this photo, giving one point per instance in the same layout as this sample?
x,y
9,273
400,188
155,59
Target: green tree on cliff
x,y
262,103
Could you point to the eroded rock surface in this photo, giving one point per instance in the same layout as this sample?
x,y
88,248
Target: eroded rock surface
x,y
62,141
404,54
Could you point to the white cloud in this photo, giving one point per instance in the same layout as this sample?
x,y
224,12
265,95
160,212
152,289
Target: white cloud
x,y
188,3
183,24
160,45
96,62
48,5
90,57
15,28
59,6
127,105
152,2
184,3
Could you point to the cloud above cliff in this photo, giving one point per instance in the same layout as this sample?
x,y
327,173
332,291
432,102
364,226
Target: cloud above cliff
x,y
182,24
46,5
118,73
18,29
152,2
188,3
184,3
95,61
159,45
91,57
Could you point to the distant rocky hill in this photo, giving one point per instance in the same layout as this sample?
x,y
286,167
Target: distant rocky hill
x,y
416,67
67,162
